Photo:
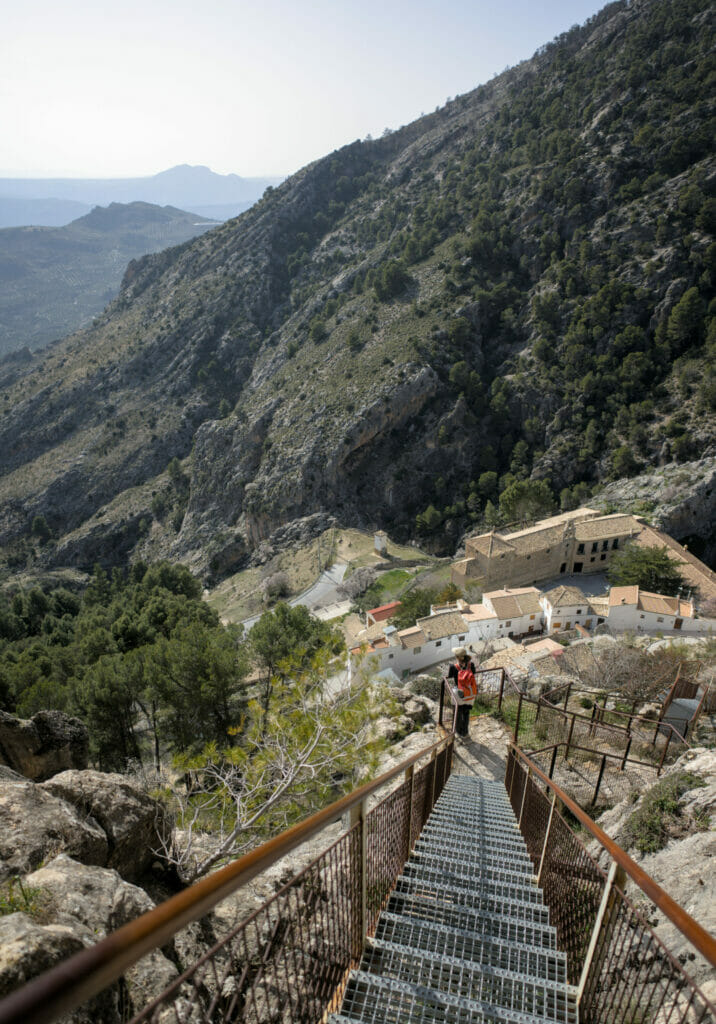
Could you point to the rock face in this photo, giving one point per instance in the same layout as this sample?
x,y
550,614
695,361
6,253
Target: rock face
x,y
99,819
134,824
80,906
684,867
47,743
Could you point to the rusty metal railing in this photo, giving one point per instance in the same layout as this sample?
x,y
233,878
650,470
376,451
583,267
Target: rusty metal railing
x,y
289,959
622,970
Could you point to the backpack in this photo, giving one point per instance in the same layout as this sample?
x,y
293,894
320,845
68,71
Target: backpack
x,y
466,681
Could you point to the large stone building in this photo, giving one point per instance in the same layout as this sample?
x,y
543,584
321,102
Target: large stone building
x,y
577,542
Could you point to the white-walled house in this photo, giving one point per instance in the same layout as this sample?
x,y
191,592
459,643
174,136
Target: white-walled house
x,y
631,608
566,607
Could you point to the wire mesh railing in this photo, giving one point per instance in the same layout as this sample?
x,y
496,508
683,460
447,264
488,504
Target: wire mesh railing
x,y
288,960
621,968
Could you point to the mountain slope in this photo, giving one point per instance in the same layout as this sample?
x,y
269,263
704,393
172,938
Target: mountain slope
x,y
515,288
53,280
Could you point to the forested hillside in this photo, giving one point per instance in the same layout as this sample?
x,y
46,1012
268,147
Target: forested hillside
x,y
475,318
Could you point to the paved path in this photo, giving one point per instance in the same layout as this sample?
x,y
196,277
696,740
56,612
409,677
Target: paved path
x,y
321,595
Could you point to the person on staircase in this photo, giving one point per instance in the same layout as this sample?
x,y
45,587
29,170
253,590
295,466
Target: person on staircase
x,y
463,675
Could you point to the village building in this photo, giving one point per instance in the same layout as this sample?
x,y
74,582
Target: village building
x,y
566,608
631,608
383,612
580,541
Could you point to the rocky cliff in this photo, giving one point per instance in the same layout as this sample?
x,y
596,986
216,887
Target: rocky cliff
x,y
516,284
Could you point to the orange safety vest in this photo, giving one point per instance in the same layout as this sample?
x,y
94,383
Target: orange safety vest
x,y
466,682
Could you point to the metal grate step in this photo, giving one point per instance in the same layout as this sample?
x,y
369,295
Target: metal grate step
x,y
522,891
464,852
412,911
376,1000
502,870
516,949
486,902
484,984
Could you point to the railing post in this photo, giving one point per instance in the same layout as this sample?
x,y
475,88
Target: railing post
x,y
566,699
554,760
434,759
663,753
409,776
599,779
569,737
442,701
512,759
601,933
517,723
546,838
502,688
524,797
358,815
591,726
626,753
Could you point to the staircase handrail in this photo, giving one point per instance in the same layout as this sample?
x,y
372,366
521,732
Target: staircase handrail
x,y
691,929
82,976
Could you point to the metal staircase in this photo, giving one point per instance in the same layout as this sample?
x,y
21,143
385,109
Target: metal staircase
x,y
465,936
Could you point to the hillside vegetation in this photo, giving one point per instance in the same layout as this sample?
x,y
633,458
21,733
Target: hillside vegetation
x,y
471,320
54,280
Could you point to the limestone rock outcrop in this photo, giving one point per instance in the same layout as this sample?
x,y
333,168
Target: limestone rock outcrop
x,y
99,819
135,825
43,745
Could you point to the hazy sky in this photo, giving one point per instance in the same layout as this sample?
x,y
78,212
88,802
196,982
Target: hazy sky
x,y
99,88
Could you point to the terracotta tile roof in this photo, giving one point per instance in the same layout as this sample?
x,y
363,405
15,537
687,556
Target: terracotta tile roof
x,y
511,603
478,613
697,575
505,607
568,596
664,605
623,595
547,645
413,637
384,611
489,544
616,525
435,627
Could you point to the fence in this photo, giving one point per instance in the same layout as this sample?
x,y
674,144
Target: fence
x,y
289,960
622,970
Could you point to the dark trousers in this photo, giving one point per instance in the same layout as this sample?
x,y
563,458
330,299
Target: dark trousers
x,y
462,726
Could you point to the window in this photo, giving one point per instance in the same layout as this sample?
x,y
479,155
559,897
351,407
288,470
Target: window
x,y
509,623
602,557
531,617
438,643
615,543
599,621
391,655
461,638
417,650
528,557
563,567
641,616
557,625
659,618
548,550
591,559
595,545
579,611
580,549
605,545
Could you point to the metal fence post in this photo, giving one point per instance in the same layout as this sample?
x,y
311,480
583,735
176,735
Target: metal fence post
x,y
517,723
502,688
409,776
434,759
663,753
524,796
546,838
358,815
442,701
567,695
599,779
569,737
626,753
554,759
601,933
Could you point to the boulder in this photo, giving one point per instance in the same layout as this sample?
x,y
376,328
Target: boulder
x,y
101,901
43,745
135,825
36,825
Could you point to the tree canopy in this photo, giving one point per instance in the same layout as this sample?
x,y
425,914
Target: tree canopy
x,y
653,569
